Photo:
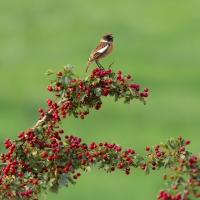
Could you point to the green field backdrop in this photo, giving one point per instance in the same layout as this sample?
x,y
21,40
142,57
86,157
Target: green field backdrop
x,y
157,42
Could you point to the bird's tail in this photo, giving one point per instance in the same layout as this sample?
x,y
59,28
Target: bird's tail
x,y
87,69
88,65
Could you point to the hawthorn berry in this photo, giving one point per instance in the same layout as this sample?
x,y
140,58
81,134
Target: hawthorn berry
x,y
179,137
49,88
143,94
187,142
128,76
59,73
127,172
78,174
147,148
182,148
35,182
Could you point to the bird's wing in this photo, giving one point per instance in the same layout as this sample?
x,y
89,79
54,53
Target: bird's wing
x,y
101,48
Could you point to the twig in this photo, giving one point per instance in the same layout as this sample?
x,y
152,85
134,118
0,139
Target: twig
x,y
47,115
111,65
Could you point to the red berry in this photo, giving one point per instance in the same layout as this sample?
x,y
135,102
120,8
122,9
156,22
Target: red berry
x,y
182,148
128,76
179,137
61,131
40,110
104,156
20,174
157,147
143,94
175,187
59,73
80,156
99,152
186,191
127,172
78,174
187,141
146,89
25,150
100,144
158,154
195,170
154,163
112,169
75,177
35,182
82,162
147,148
119,72
87,92
49,88
164,176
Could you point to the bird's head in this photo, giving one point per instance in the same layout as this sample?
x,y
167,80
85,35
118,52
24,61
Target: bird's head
x,y
108,37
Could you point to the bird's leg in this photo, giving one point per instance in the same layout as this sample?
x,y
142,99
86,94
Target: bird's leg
x,y
99,65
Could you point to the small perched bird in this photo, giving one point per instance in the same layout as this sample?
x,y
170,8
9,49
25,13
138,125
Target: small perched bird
x,y
104,47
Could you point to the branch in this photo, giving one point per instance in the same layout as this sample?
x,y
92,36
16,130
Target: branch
x,y
43,160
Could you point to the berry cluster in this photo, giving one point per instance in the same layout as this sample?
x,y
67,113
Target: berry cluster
x,y
78,95
184,183
35,160
42,159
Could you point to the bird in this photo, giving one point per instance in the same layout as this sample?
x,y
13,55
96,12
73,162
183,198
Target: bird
x,y
104,47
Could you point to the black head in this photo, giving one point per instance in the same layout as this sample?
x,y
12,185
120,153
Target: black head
x,y
108,37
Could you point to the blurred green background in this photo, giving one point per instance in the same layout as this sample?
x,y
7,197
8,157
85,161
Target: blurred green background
x,y
157,42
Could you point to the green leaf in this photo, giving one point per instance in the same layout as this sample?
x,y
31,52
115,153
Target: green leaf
x,y
55,188
75,114
83,95
49,72
86,78
63,179
127,100
187,154
66,80
171,144
116,96
159,164
67,68
72,181
62,93
39,130
38,167
147,170
101,166
164,145
51,182
97,91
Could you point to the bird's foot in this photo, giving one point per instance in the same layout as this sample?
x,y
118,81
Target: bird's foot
x,y
101,68
99,65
